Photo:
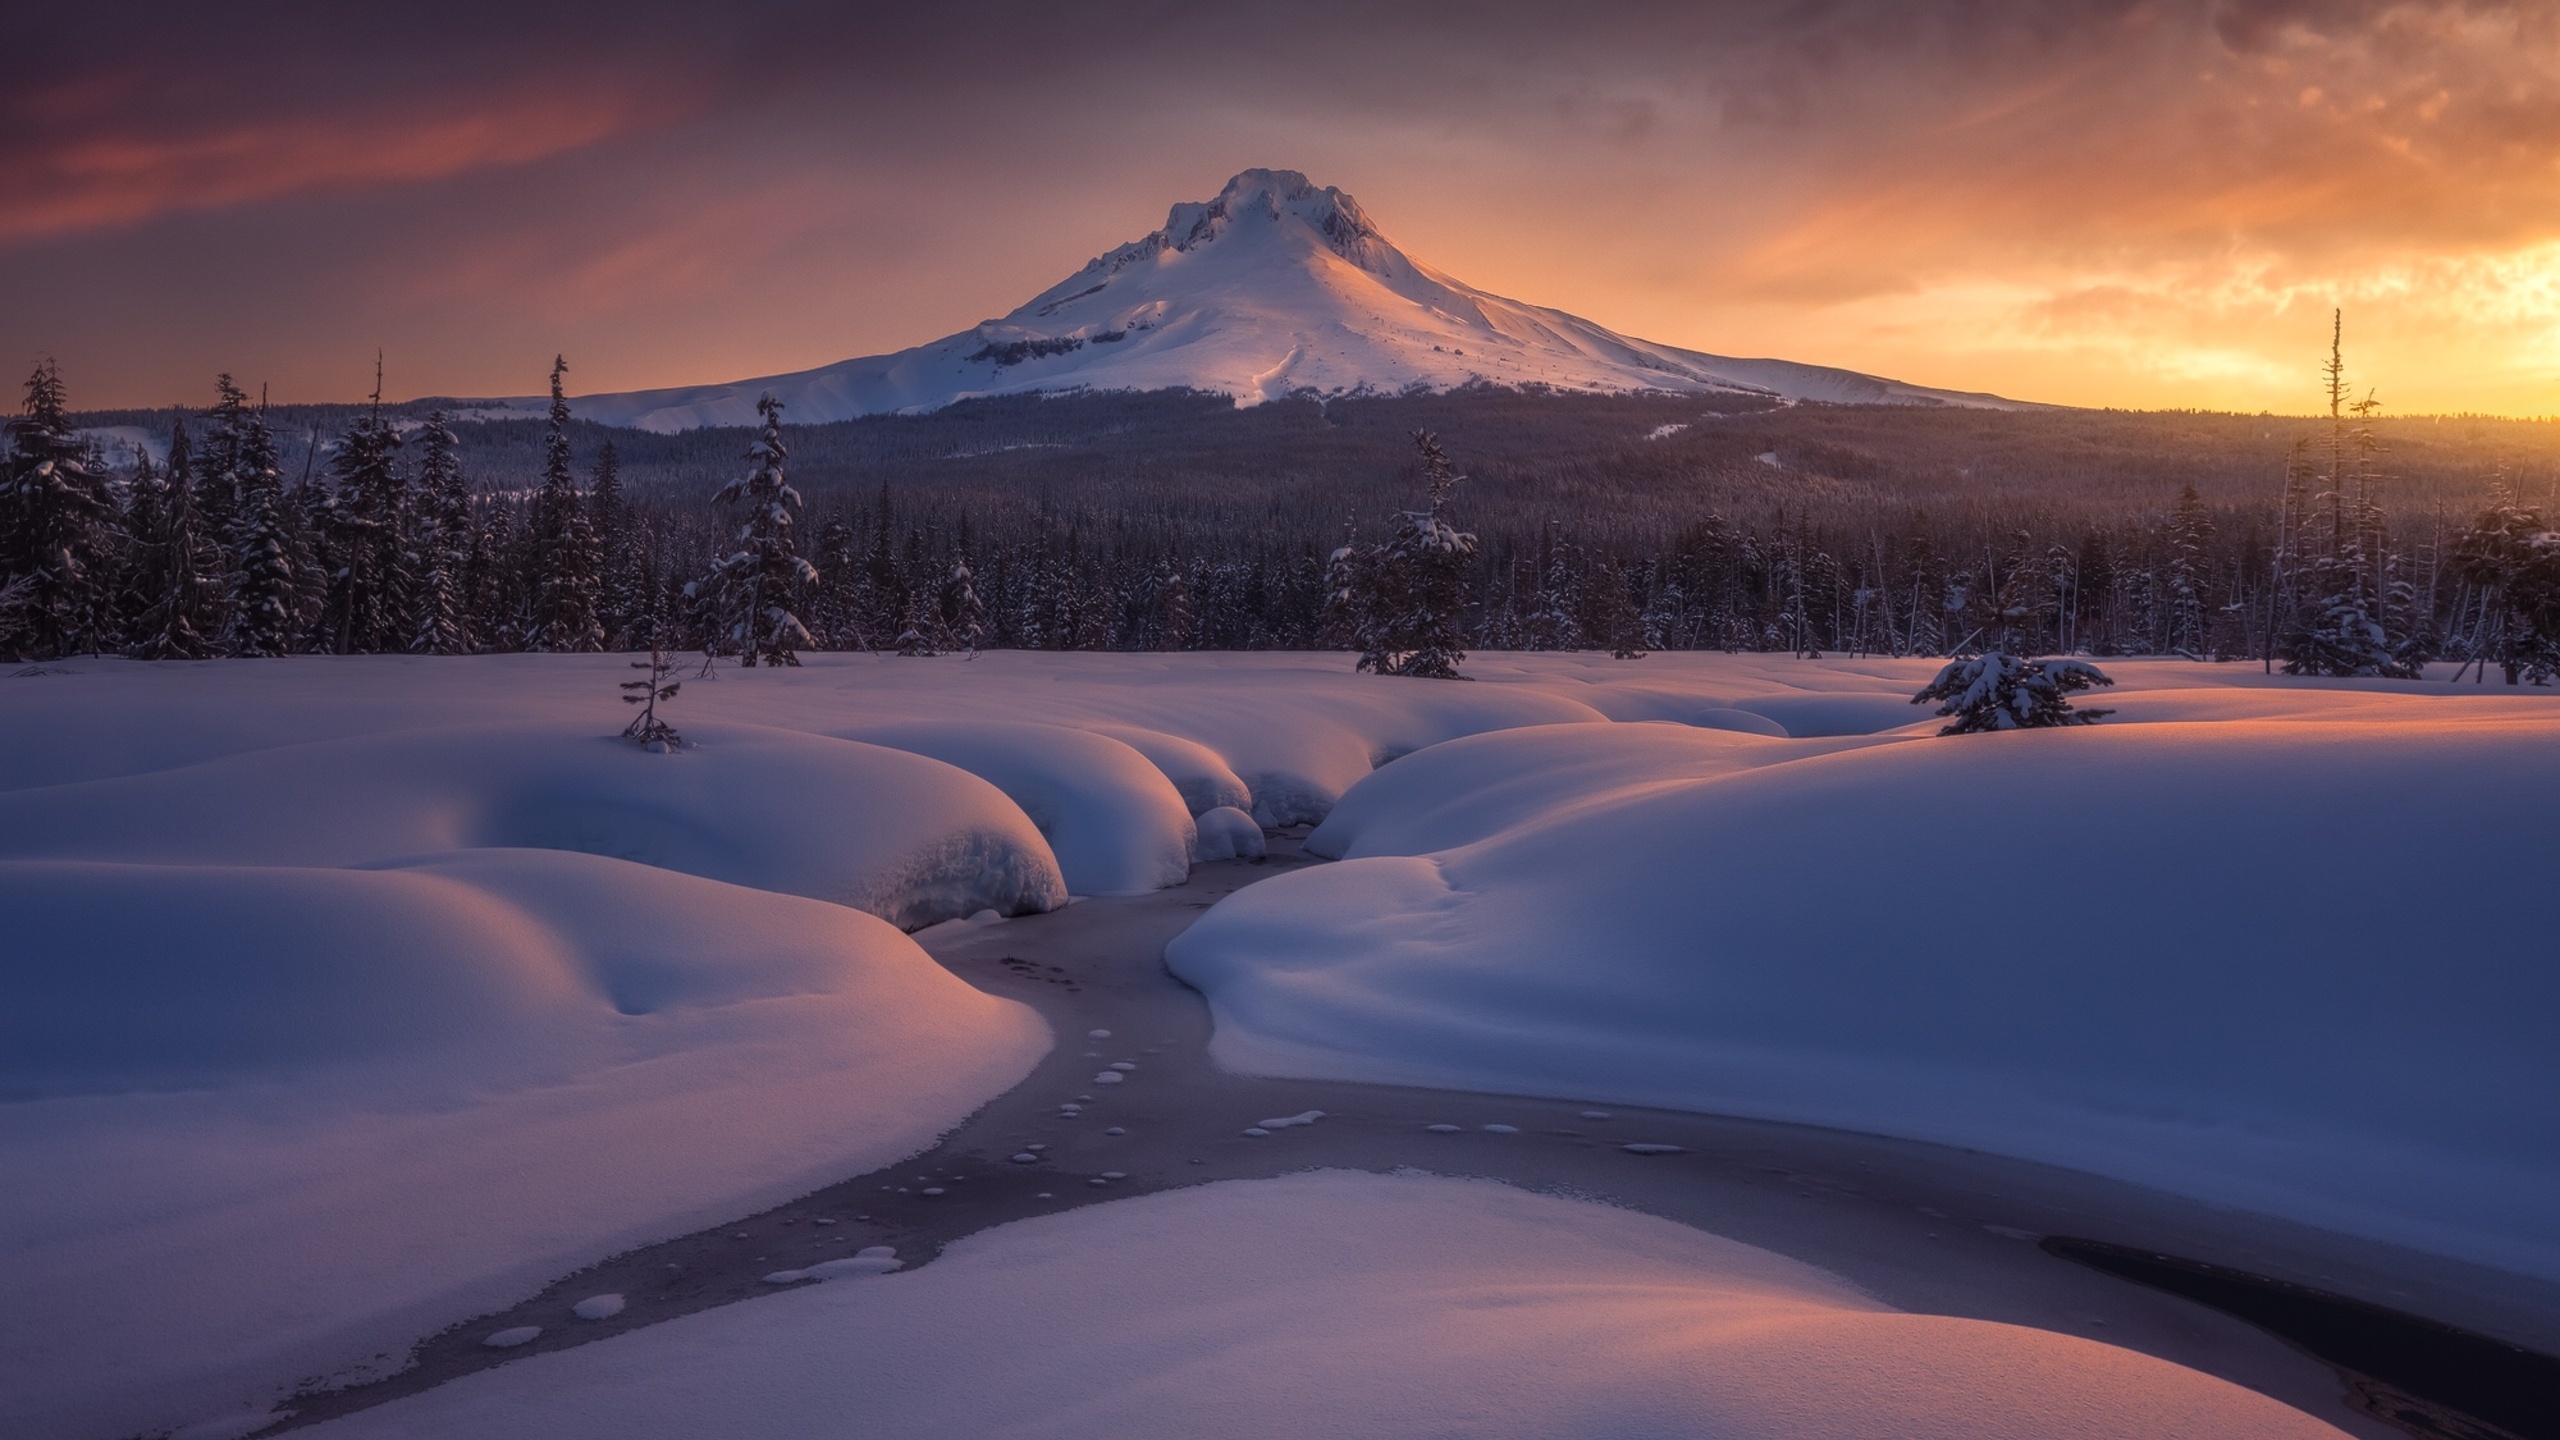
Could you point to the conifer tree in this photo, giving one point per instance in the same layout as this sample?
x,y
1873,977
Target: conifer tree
x,y
1997,691
565,584
964,615
362,523
754,591
263,584
619,583
439,601
2188,573
1405,600
59,533
180,565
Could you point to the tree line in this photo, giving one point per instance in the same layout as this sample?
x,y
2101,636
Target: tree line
x,y
387,545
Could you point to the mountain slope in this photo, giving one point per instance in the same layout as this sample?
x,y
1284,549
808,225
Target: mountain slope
x,y
1274,288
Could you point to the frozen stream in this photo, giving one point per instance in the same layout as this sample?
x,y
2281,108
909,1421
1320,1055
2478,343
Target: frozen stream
x,y
1922,1227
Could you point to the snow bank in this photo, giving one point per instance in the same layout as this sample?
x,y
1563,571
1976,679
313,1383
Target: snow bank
x,y
2297,966
269,1122
1116,824
1335,1304
903,837
1460,792
1199,774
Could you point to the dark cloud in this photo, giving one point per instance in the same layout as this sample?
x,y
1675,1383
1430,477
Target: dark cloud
x,y
687,192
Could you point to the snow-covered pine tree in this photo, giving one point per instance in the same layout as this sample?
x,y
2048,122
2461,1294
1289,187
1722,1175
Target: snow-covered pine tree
x,y
2188,575
59,531
1554,618
2346,625
564,545
1417,582
218,468
2510,560
439,620
180,567
964,615
755,590
618,566
263,590
362,525
1998,691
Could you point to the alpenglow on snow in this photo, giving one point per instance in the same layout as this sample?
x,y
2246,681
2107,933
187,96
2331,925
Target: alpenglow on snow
x,y
1277,287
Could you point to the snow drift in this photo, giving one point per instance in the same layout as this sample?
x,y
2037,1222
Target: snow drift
x,y
1276,287
901,836
269,1122
1344,1305
1114,820
2298,966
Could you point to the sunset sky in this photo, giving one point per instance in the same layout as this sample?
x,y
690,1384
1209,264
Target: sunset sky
x,y
2099,203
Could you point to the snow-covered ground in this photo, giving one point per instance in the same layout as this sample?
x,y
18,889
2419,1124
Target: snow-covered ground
x,y
1335,1304
342,998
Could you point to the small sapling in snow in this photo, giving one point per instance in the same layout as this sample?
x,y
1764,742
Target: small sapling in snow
x,y
646,730
1995,691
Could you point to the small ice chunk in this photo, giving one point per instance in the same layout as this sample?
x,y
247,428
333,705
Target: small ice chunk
x,y
1123,1065
1097,1182
865,1263
1109,1077
986,917
512,1336
1026,1158
1044,1195
1098,1034
1303,1117
1036,1146
1115,1175
1442,1129
822,1222
876,1252
1648,1149
786,1277
1595,1114
1255,1130
598,1307
933,1189
1503,1129
1115,1130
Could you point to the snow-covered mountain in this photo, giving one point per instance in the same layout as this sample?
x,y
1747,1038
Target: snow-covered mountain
x,y
1276,287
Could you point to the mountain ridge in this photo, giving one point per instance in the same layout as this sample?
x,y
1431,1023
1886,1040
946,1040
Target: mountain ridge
x,y
1275,287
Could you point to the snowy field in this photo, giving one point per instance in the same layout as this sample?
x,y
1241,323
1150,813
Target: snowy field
x,y
1341,1305
344,998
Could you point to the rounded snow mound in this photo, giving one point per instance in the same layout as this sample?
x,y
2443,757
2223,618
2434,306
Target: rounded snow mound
x,y
880,829
1460,791
1336,1304
2297,967
1199,774
1115,823
276,1121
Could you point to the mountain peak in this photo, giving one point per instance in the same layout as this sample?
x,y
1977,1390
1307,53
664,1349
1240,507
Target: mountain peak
x,y
1277,286
1256,200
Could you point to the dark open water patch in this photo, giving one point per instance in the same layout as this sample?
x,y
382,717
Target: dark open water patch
x,y
2427,1378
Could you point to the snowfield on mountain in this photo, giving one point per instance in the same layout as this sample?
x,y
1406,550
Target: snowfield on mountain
x,y
1276,287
